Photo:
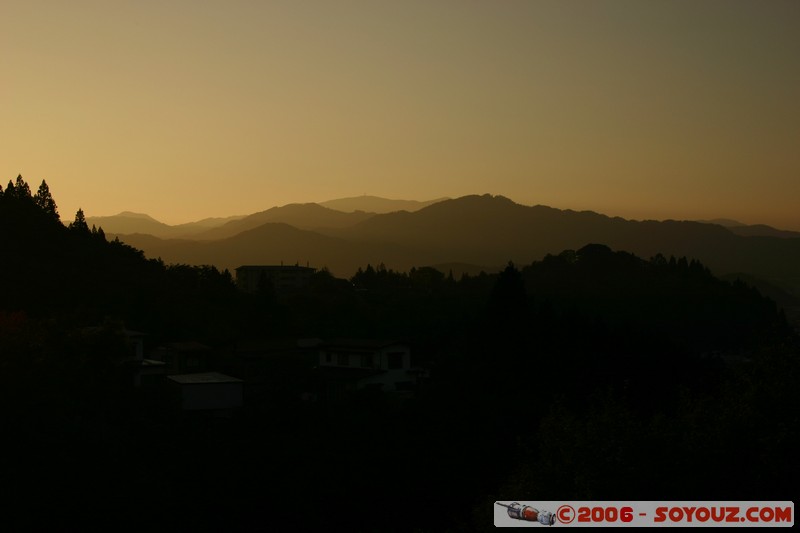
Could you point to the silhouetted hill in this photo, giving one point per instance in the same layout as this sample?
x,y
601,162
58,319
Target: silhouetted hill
x,y
375,204
142,216
754,230
477,230
762,230
128,222
489,229
75,277
333,214
302,216
678,298
272,243
724,222
790,303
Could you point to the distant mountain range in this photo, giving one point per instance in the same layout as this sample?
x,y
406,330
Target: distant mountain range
x,y
128,222
269,243
331,214
473,232
374,204
302,216
754,230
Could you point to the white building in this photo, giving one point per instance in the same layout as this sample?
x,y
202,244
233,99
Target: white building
x,y
359,364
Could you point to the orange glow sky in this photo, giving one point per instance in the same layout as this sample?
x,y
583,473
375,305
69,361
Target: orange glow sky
x,y
189,109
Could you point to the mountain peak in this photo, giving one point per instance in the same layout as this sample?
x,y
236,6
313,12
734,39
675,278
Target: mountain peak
x,y
376,204
131,214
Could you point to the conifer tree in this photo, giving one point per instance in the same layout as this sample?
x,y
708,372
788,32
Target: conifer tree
x,y
21,188
79,224
44,200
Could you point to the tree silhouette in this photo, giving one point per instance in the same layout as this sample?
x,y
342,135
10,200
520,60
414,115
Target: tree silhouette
x,y
21,188
508,295
45,201
79,224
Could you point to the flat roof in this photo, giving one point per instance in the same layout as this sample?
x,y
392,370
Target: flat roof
x,y
203,377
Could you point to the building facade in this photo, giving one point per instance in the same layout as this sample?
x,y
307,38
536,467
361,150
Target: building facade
x,y
351,364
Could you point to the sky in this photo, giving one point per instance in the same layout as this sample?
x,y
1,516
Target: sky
x,y
190,109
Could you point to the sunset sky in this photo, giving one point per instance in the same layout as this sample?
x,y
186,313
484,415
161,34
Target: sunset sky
x,y
190,109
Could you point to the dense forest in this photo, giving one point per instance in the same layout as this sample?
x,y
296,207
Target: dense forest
x,y
588,375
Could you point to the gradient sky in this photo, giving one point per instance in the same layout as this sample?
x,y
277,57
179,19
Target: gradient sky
x,y
188,109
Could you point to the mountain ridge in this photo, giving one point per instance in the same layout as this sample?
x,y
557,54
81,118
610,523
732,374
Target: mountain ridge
x,y
377,204
303,216
129,222
491,230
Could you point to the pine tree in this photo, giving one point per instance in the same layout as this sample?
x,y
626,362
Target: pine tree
x,y
79,224
45,201
21,188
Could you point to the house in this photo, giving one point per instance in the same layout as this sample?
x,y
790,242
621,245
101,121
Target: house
x,y
252,278
136,342
207,391
147,371
141,370
133,340
351,364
